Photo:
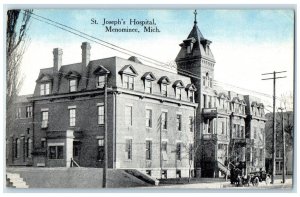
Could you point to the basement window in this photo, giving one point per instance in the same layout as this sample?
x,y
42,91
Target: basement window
x,y
56,152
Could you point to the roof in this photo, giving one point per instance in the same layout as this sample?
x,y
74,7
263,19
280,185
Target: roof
x,y
23,98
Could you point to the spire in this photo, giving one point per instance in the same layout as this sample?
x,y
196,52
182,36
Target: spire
x,y
195,13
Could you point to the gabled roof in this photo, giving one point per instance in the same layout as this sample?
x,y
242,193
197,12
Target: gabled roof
x,y
149,76
72,74
164,80
178,84
44,77
129,70
191,87
100,70
135,59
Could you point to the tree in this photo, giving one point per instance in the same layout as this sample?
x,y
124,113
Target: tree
x,y
16,43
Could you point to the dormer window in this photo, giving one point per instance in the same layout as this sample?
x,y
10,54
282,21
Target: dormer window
x,y
128,73
101,73
178,85
148,78
73,85
73,78
128,82
190,88
164,82
44,89
100,81
148,86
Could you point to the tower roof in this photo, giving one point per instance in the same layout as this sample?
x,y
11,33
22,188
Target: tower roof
x,y
196,33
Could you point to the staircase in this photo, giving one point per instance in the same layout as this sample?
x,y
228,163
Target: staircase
x,y
223,168
14,180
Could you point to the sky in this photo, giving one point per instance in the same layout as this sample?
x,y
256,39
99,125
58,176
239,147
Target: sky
x,y
245,43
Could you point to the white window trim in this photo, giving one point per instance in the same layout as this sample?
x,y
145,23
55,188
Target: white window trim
x,y
44,109
55,144
72,107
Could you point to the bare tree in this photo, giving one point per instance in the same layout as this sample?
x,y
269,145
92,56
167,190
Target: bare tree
x,y
16,42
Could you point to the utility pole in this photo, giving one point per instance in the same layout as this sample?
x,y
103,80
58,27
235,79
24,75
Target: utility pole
x,y
274,119
105,134
283,145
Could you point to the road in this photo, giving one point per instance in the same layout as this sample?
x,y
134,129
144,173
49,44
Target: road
x,y
227,185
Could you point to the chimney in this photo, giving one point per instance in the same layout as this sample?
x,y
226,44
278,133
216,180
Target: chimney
x,y
57,59
57,62
85,47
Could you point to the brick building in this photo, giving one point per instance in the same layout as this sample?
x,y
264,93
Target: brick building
x,y
164,122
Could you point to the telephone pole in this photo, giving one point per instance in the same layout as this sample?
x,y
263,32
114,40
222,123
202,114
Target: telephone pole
x,y
283,145
105,134
274,118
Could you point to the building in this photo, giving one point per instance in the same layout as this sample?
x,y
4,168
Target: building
x,y
289,135
164,122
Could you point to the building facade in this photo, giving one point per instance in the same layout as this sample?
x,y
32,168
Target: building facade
x,y
164,122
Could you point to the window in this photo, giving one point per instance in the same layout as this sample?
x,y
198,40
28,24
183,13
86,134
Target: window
x,y
148,86
164,120
191,124
100,156
72,113
128,149
164,89
260,154
73,85
17,147
45,89
277,165
56,152
128,115
178,151
238,131
210,79
29,148
101,114
255,134
178,122
18,112
148,150
43,143
242,132
28,111
164,174
128,82
164,145
223,127
44,119
178,93
191,149
191,95
148,118
204,80
100,81
178,173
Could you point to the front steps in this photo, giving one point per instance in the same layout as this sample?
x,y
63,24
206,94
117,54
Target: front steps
x,y
14,180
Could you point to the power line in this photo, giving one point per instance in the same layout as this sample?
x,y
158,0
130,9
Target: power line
x,y
80,34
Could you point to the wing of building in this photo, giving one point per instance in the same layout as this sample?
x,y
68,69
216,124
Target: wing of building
x,y
166,123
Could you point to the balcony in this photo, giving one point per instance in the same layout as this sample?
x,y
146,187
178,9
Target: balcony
x,y
213,112
241,141
215,137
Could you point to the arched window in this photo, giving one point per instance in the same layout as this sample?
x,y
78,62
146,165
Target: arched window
x,y
29,147
17,147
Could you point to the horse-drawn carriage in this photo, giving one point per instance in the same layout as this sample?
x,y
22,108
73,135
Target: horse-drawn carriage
x,y
253,178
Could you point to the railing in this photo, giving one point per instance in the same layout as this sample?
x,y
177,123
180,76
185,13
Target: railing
x,y
73,162
214,111
208,136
